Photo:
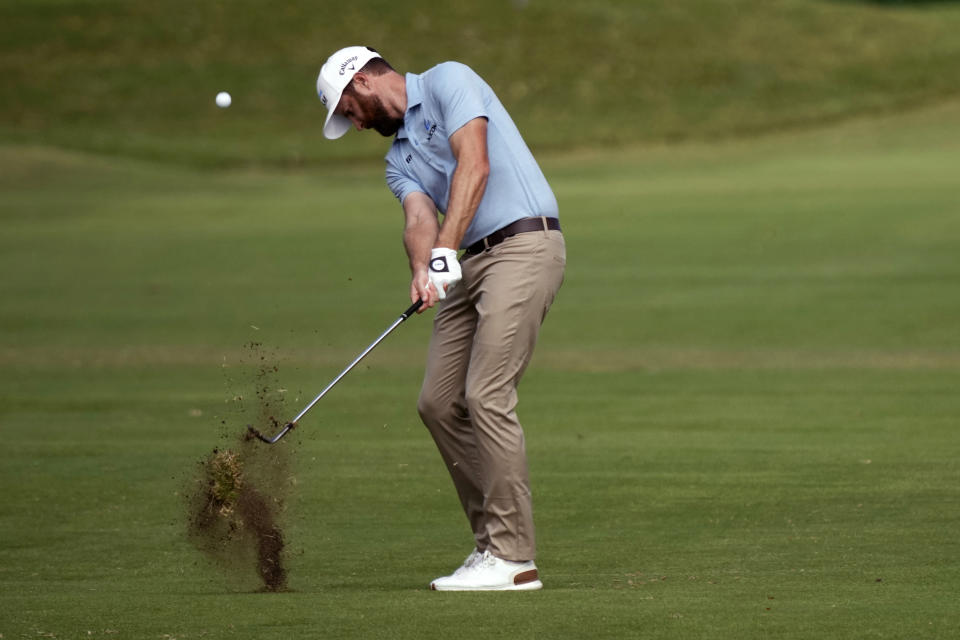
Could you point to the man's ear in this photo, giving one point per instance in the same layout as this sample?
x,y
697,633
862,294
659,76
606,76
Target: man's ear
x,y
361,82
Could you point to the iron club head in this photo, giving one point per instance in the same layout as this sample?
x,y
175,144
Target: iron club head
x,y
253,433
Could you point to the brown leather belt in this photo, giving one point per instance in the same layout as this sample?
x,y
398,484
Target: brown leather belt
x,y
522,225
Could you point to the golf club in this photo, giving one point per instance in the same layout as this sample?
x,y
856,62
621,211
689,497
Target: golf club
x,y
293,423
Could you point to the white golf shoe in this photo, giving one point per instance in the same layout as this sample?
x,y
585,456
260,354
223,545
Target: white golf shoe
x,y
486,572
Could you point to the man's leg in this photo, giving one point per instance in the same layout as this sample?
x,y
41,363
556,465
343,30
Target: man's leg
x,y
443,409
512,287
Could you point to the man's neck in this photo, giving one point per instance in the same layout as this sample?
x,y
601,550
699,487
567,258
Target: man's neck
x,y
396,93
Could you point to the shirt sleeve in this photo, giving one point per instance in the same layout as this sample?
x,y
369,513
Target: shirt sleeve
x,y
399,182
458,92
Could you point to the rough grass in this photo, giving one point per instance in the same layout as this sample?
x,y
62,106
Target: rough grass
x,y
138,79
741,420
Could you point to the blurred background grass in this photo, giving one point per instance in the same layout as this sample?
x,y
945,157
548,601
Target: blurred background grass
x,y
138,79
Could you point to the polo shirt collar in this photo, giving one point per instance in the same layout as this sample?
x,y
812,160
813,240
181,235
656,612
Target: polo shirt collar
x,y
414,99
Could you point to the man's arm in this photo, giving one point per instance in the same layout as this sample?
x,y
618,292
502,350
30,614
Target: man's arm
x,y
419,237
469,146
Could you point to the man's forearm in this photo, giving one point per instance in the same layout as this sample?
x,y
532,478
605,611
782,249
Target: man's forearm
x,y
468,184
466,192
420,229
418,240
419,236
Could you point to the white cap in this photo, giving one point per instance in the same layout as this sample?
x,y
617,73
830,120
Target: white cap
x,y
335,75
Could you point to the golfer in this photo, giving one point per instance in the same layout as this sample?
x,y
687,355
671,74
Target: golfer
x,y
456,151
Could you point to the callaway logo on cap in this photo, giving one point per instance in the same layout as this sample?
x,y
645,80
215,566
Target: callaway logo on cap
x,y
335,75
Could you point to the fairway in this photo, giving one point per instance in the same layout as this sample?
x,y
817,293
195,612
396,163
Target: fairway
x,y
741,419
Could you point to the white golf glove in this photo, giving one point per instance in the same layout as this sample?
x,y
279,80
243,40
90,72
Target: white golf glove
x,y
444,270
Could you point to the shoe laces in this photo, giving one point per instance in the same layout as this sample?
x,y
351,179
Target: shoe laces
x,y
487,559
470,561
481,562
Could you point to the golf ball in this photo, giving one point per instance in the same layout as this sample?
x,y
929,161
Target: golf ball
x,y
223,100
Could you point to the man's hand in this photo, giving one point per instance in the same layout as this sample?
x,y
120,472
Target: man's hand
x,y
420,289
444,270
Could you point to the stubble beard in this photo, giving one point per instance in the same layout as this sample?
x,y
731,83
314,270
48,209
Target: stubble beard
x,y
381,121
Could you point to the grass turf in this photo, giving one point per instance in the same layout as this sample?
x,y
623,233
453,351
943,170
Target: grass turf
x,y
741,420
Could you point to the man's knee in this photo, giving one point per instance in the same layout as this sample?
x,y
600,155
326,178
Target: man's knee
x,y
432,408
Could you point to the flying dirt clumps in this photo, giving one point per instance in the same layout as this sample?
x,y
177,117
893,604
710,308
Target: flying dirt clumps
x,y
237,496
225,481
233,522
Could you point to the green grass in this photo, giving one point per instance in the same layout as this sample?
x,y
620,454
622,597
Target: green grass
x,y
741,418
138,79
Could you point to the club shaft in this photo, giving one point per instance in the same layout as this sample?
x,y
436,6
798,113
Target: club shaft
x,y
349,367
293,423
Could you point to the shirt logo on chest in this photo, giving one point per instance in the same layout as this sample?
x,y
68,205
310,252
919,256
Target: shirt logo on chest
x,y
431,128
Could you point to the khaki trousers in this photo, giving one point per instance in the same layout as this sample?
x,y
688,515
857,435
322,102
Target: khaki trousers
x,y
483,339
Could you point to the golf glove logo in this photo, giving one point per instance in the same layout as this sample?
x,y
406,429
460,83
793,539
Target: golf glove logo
x,y
444,270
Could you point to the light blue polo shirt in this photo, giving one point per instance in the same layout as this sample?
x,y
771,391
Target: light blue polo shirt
x,y
439,102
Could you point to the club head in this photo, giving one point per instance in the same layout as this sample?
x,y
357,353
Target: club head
x,y
253,433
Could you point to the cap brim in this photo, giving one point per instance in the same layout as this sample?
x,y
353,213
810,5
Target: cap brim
x,y
335,126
